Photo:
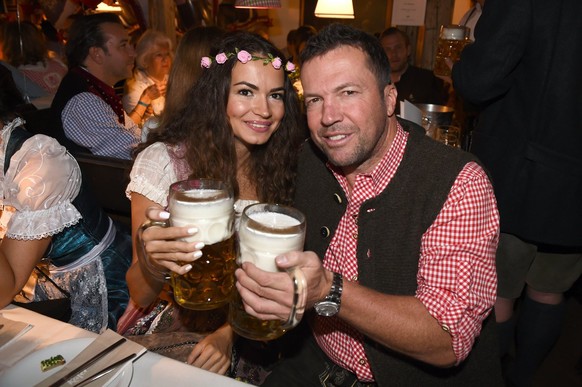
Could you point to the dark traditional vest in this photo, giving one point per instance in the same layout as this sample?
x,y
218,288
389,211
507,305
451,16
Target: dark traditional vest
x,y
391,226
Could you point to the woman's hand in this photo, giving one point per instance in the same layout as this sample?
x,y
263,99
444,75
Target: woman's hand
x,y
162,245
150,93
213,353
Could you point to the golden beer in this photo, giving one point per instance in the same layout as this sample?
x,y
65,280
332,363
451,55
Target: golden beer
x,y
266,231
207,205
210,282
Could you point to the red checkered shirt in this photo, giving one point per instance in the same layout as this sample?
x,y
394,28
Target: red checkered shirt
x,y
456,277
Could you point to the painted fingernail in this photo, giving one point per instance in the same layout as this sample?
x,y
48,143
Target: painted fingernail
x,y
198,254
165,215
187,268
192,230
199,245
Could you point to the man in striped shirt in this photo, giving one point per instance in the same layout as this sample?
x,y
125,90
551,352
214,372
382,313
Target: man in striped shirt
x,y
400,244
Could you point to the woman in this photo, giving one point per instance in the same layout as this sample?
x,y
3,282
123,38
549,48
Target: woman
x,y
186,70
147,87
24,49
241,125
56,224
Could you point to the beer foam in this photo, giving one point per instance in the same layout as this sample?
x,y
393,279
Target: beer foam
x,y
212,218
274,219
261,247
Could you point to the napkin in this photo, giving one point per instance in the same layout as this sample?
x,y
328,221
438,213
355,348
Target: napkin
x,y
11,330
103,341
410,112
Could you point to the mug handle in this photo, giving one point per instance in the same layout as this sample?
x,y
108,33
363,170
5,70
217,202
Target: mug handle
x,y
145,264
299,298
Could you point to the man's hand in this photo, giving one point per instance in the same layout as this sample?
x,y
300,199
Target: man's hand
x,y
269,296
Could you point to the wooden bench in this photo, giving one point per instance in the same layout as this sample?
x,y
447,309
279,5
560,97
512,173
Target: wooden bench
x,y
107,178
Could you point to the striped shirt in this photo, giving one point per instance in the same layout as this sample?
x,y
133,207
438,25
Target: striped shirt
x,y
456,278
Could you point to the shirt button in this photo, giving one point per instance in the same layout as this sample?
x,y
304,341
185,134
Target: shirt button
x,y
354,278
355,235
446,328
337,198
362,361
324,232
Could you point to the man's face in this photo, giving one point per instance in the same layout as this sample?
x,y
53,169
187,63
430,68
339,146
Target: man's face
x,y
397,52
346,112
118,54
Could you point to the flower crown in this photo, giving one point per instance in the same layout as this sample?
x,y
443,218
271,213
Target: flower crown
x,y
244,57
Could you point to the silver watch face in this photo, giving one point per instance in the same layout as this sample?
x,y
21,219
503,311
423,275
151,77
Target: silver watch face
x,y
326,308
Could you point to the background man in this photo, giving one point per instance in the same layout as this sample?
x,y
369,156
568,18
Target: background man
x,y
415,84
405,229
524,72
86,111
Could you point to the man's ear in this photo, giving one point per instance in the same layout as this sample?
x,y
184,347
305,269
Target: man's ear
x,y
390,95
96,54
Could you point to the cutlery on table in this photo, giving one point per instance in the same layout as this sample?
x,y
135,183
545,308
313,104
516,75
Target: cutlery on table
x,y
88,363
106,370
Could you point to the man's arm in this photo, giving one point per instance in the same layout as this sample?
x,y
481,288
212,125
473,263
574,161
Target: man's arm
x,y
443,319
91,123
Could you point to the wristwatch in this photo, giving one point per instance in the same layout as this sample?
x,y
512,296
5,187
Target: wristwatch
x,y
330,305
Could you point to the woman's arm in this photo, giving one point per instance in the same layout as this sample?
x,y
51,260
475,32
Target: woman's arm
x,y
17,260
159,246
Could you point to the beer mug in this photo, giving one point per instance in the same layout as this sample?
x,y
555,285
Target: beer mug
x,y
266,231
448,134
209,206
452,40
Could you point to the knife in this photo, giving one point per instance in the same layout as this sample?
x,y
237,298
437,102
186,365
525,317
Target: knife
x,y
105,370
88,363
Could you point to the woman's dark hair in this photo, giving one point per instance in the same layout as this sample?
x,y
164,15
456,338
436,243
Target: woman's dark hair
x,y
33,48
336,35
86,32
203,126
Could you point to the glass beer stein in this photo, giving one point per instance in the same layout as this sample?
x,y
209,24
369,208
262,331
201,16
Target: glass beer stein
x,y
452,40
266,231
208,205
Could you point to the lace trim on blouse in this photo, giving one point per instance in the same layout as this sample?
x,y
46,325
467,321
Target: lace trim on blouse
x,y
38,224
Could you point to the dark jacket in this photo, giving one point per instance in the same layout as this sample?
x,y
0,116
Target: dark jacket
x,y
389,248
524,70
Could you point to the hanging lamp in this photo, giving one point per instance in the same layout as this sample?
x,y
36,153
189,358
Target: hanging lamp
x,y
337,9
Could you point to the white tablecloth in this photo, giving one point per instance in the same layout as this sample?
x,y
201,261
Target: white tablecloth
x,y
149,370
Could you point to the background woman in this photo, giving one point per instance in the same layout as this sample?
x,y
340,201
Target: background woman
x,y
240,125
35,72
56,223
148,85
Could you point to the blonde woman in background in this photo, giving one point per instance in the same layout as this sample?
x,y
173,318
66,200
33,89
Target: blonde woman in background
x,y
147,87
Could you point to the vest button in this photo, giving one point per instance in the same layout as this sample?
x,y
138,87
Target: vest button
x,y
324,232
337,198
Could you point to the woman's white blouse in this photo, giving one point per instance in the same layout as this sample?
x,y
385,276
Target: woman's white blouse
x,y
153,173
41,182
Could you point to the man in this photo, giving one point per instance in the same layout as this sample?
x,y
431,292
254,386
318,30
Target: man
x,y
413,83
87,113
400,242
524,72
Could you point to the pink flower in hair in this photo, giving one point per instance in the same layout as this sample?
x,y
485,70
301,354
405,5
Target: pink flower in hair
x,y
277,63
205,62
290,67
244,56
221,58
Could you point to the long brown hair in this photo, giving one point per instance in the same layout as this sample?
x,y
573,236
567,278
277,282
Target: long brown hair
x,y
203,126
186,68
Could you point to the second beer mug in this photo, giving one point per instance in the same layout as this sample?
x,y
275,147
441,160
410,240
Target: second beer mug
x,y
208,205
266,231
452,40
